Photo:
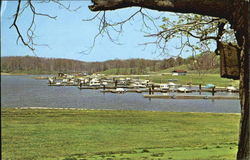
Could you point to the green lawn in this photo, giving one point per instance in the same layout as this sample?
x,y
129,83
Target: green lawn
x,y
195,79
186,68
94,134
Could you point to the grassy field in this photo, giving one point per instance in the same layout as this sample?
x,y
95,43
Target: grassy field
x,y
211,76
186,68
94,134
195,79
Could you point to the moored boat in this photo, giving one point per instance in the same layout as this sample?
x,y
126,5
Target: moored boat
x,y
118,90
183,89
231,89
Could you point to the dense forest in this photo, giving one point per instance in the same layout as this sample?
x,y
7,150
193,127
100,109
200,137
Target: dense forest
x,y
37,65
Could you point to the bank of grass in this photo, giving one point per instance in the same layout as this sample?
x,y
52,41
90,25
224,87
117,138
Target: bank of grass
x,y
12,74
95,134
186,67
194,79
30,72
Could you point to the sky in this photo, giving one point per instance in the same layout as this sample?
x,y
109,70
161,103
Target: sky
x,y
69,36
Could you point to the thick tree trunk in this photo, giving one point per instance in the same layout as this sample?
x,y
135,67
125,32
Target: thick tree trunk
x,y
235,11
239,22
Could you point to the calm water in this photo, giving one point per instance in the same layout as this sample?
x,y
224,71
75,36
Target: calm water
x,y
22,91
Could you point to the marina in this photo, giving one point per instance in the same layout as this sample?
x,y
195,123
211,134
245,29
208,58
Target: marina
x,y
23,91
111,84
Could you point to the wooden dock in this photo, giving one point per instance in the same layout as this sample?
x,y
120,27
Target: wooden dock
x,y
146,90
107,88
192,97
142,90
62,84
129,90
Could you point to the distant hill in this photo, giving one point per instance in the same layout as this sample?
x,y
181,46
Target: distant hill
x,y
37,65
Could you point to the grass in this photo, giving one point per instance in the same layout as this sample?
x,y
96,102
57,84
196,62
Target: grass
x,y
211,76
186,68
169,70
195,79
101,134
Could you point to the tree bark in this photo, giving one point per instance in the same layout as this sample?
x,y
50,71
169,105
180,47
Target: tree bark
x,y
216,8
239,22
235,11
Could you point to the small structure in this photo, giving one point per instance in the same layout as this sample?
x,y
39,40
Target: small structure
x,y
179,73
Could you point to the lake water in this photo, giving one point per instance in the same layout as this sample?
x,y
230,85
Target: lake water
x,y
22,91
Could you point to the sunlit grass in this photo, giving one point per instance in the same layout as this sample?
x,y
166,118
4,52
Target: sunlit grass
x,y
194,79
95,134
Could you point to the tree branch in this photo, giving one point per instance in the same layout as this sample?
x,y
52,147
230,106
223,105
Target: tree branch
x,y
204,7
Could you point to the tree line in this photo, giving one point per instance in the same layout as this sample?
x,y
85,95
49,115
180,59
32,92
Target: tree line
x,y
37,65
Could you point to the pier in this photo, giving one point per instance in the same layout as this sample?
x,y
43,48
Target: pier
x,y
192,97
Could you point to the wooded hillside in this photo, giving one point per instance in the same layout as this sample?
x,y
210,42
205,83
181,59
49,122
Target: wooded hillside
x,y
36,65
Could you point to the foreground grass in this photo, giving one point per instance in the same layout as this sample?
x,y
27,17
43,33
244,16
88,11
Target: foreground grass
x,y
94,134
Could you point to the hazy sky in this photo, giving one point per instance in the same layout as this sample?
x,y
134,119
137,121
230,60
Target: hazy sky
x,y
68,35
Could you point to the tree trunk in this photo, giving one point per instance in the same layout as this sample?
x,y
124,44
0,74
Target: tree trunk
x,y
235,11
239,22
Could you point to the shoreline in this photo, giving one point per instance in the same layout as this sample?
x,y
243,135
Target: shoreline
x,y
85,109
13,74
20,74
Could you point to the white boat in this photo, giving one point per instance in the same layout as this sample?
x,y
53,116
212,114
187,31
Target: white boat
x,y
119,90
171,84
51,81
64,80
138,85
183,89
210,86
105,83
94,82
164,87
231,88
58,84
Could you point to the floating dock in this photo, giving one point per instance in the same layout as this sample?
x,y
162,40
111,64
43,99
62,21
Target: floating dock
x,y
192,97
62,84
107,87
162,91
129,90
